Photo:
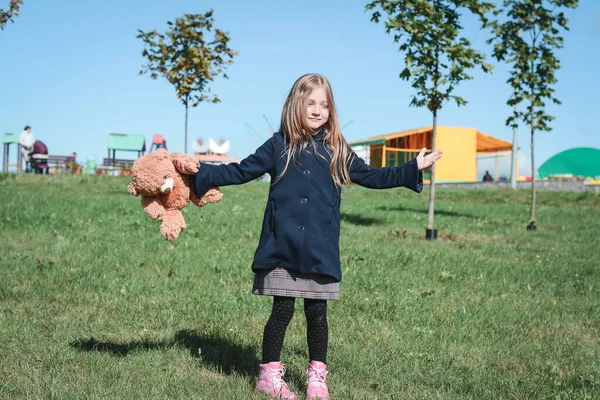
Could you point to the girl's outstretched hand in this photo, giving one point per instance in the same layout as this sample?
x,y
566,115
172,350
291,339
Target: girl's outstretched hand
x,y
426,161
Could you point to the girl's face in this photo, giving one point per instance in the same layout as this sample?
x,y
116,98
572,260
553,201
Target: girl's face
x,y
317,109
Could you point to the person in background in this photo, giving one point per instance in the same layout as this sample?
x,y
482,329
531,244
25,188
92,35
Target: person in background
x,y
72,165
26,145
487,177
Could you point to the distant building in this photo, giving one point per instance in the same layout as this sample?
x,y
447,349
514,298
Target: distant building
x,y
582,162
212,152
463,147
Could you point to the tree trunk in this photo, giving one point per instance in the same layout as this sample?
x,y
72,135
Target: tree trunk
x,y
531,225
515,144
513,159
186,124
432,185
435,102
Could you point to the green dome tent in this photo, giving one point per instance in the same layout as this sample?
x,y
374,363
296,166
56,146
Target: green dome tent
x,y
582,161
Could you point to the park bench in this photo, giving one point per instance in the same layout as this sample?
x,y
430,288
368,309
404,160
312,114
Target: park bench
x,y
116,162
54,163
115,166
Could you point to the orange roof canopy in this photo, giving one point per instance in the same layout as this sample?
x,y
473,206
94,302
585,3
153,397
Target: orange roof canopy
x,y
485,142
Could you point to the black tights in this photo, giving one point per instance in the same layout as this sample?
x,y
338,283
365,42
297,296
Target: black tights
x,y
316,330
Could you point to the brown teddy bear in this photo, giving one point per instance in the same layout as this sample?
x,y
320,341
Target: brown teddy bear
x,y
166,190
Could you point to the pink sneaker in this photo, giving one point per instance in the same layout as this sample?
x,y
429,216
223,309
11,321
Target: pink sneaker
x,y
316,388
270,381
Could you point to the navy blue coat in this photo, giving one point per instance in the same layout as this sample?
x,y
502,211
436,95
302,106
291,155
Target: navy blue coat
x,y
301,226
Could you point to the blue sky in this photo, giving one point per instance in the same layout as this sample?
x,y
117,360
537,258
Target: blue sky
x,y
69,68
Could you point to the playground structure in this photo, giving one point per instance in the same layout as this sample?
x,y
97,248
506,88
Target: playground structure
x,y
53,163
10,139
121,142
56,163
462,148
212,152
158,142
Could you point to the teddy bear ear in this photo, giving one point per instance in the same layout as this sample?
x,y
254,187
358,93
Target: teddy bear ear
x,y
131,189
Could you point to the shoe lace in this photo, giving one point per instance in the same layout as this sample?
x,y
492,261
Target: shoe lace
x,y
276,375
317,376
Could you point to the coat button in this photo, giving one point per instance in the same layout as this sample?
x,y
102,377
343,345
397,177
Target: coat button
x,y
303,200
306,172
300,228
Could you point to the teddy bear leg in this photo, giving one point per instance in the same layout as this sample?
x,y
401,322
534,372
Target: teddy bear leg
x,y
212,196
172,224
153,207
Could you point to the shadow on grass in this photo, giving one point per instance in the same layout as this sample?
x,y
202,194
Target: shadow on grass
x,y
116,349
229,357
215,352
425,211
220,353
357,219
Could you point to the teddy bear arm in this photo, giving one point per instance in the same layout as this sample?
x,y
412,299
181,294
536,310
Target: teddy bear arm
x,y
212,196
153,208
184,163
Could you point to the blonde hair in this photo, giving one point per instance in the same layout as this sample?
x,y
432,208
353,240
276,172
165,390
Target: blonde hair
x,y
297,134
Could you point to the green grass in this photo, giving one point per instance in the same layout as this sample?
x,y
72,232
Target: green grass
x,y
95,304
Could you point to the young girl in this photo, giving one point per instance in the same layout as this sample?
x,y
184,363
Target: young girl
x,y
298,255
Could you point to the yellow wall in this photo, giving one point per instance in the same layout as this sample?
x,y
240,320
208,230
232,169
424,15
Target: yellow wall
x,y
459,162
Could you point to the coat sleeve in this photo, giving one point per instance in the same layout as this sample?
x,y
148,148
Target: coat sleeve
x,y
252,167
407,175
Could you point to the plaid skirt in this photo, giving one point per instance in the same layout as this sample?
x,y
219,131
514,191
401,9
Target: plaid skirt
x,y
281,282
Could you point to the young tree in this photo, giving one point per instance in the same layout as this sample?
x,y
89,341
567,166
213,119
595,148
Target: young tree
x,y
437,57
188,58
13,11
527,40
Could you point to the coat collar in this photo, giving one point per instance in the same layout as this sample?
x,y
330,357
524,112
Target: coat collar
x,y
319,136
